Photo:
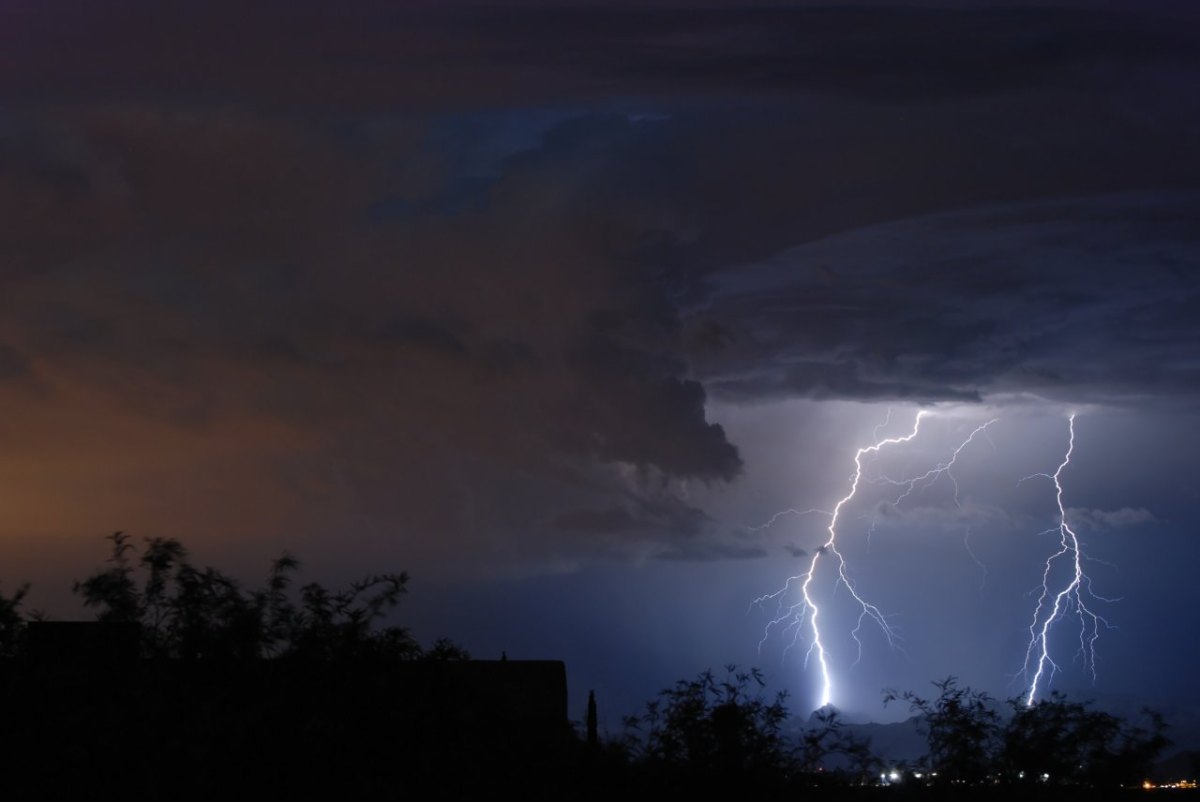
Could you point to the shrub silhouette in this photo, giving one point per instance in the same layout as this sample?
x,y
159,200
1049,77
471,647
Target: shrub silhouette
x,y
831,739
713,727
961,728
11,621
200,613
1051,742
1061,742
722,730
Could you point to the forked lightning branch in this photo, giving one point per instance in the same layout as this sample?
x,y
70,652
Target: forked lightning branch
x,y
796,609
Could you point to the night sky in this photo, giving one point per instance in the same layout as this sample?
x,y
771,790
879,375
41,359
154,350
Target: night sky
x,y
555,306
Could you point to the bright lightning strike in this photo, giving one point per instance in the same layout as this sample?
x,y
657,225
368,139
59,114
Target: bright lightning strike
x,y
830,546
927,479
1073,596
793,617
943,469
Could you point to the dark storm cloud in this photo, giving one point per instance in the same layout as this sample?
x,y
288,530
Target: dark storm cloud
x,y
449,55
12,364
239,280
461,273
883,53
680,531
704,552
669,429
842,379
660,517
611,519
1090,301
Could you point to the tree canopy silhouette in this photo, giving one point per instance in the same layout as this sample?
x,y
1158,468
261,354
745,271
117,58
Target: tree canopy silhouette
x,y
1051,742
1062,742
960,726
713,726
194,613
721,729
10,620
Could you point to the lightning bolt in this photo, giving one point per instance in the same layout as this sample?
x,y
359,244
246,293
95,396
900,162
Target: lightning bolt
x,y
807,607
771,521
931,476
1051,606
792,617
943,469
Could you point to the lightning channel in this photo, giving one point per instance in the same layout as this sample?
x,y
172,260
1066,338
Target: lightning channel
x,y
794,618
927,479
931,476
791,617
1074,596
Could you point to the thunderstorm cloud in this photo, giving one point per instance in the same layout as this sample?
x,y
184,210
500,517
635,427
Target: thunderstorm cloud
x,y
465,286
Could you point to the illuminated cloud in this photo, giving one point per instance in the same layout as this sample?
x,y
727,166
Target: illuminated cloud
x,y
1110,519
1038,299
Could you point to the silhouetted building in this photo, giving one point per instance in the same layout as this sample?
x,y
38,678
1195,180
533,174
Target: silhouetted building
x,y
80,705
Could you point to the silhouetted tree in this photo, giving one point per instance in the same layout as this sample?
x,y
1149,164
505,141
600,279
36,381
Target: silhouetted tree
x,y
593,722
1062,742
113,589
200,613
713,727
446,650
961,727
830,738
339,623
11,621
